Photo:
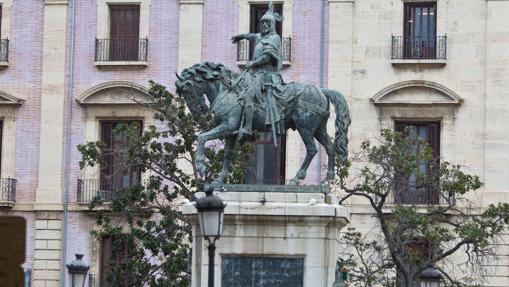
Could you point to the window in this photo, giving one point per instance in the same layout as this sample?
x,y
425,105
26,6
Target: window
x,y
411,193
124,32
114,175
420,28
267,164
113,250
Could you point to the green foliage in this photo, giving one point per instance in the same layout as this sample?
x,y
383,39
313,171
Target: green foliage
x,y
146,216
413,236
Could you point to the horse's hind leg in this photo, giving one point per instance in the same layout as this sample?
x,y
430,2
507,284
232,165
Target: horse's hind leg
x,y
323,138
229,145
308,139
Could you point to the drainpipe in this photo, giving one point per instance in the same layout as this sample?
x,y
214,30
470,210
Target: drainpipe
x,y
65,196
322,67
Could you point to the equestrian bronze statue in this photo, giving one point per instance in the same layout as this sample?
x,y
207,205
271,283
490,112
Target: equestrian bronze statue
x,y
259,99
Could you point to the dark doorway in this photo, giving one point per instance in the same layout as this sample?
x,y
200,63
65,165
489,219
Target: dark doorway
x,y
12,251
124,32
267,164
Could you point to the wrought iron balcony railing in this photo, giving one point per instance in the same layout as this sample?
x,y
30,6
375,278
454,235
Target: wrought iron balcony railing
x,y
245,51
4,50
121,49
421,196
419,48
93,280
8,191
88,189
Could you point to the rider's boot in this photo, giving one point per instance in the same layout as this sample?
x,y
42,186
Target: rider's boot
x,y
247,130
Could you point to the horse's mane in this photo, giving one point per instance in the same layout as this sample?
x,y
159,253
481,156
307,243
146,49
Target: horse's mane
x,y
198,73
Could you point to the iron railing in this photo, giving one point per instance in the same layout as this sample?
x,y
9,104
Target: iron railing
x,y
93,280
424,196
4,50
132,49
419,48
88,189
244,50
8,192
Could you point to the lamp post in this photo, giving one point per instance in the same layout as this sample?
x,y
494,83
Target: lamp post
x,y
211,216
78,271
430,277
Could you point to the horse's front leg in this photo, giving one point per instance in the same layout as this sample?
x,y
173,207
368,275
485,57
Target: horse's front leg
x,y
228,149
215,133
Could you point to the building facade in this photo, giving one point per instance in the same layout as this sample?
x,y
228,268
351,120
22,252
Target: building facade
x,y
69,69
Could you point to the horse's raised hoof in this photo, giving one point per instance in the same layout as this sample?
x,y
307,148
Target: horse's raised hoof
x,y
293,181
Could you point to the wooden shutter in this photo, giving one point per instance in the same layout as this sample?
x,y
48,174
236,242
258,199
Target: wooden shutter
x,y
267,163
0,21
1,141
124,32
107,138
106,255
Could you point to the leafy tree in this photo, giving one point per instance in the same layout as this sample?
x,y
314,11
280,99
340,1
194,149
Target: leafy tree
x,y
146,217
410,237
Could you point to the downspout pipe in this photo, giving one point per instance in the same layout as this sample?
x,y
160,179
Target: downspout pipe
x,y
322,75
68,139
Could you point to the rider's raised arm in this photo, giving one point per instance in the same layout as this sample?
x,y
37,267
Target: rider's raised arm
x,y
249,36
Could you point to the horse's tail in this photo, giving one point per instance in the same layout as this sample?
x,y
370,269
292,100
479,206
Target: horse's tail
x,y
342,123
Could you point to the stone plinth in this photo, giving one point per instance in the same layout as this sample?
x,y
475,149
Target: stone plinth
x,y
274,225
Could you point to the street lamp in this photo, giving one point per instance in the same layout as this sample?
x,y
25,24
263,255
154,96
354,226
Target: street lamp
x,y
430,277
78,271
211,216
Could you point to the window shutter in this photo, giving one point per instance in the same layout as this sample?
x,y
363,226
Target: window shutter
x,y
1,140
107,138
106,255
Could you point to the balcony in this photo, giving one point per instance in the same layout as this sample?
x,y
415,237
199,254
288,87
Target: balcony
x,y
419,50
244,51
4,52
121,52
88,189
8,191
94,280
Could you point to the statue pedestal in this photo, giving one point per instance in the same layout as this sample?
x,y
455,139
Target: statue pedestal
x,y
271,237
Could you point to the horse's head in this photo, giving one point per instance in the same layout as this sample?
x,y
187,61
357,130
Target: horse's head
x,y
193,94
199,80
192,89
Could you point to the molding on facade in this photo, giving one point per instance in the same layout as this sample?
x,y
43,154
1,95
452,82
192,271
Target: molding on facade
x,y
341,1
8,99
449,97
98,95
56,2
191,1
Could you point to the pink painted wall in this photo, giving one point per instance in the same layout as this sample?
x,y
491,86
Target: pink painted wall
x,y
22,79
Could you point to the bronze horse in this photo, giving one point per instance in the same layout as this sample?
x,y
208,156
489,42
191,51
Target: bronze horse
x,y
307,111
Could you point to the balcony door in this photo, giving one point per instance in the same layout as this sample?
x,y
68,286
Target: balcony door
x,y
114,174
420,29
124,32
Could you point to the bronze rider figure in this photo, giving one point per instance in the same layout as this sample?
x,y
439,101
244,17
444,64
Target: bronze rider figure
x,y
264,72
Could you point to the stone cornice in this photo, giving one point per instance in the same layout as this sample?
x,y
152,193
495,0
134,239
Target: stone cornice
x,y
56,2
341,1
7,99
191,1
450,97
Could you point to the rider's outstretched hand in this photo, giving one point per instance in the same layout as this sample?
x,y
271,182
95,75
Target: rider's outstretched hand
x,y
236,39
